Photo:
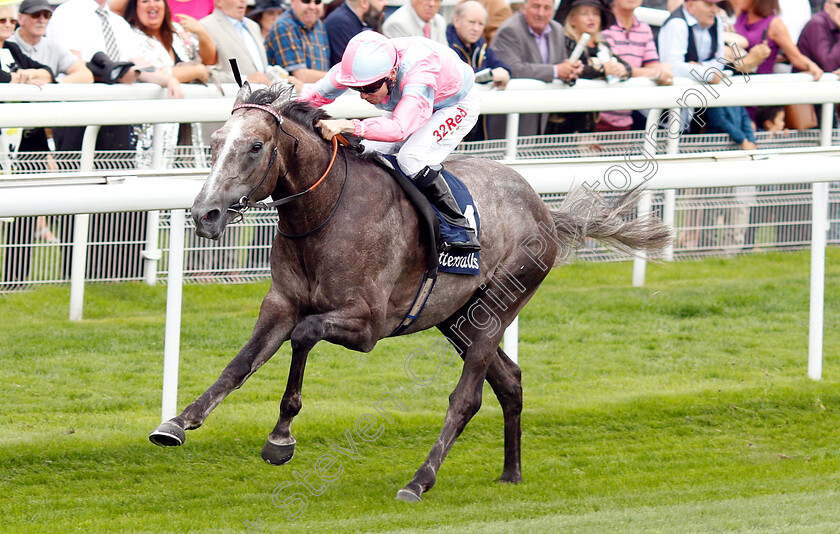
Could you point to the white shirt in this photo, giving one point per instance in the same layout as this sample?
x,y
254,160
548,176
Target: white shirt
x,y
249,42
76,26
673,45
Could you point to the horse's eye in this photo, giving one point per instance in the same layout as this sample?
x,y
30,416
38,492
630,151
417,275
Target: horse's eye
x,y
256,147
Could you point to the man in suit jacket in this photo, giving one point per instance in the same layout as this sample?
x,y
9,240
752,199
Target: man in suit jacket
x,y
239,37
419,18
532,44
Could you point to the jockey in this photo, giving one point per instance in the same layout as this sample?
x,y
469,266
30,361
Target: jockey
x,y
430,104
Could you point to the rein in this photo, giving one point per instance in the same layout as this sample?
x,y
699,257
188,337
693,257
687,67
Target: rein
x,y
245,203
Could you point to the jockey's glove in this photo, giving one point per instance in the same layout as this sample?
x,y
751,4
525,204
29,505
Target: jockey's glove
x,y
331,128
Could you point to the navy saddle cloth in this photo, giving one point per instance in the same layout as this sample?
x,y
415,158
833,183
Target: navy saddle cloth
x,y
449,262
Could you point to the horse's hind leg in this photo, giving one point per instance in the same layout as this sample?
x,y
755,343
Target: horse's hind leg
x,y
505,378
270,332
464,402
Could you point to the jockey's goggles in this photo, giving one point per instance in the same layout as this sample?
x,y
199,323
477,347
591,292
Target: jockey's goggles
x,y
372,87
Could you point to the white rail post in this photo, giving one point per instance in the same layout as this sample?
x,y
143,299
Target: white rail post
x,y
669,207
151,255
640,263
511,135
77,265
511,341
80,231
819,213
174,294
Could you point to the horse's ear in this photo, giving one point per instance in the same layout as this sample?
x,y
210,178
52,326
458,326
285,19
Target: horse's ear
x,y
243,94
284,94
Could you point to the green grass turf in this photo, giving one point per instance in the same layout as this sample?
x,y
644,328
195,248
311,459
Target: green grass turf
x,y
683,406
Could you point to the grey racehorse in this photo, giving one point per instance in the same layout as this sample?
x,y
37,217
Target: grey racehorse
x,y
348,262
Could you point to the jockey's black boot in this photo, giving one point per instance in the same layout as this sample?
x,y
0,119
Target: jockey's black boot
x,y
432,184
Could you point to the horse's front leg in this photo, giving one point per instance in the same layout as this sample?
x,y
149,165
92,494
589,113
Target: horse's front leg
x,y
272,329
349,327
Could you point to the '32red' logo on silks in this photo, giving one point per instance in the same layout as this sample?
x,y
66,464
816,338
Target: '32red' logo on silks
x,y
449,125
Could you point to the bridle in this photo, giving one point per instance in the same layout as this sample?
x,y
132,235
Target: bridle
x,y
245,203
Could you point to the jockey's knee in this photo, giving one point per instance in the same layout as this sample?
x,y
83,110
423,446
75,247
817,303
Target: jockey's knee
x,y
411,165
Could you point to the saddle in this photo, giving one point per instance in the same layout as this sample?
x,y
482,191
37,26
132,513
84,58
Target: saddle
x,y
432,227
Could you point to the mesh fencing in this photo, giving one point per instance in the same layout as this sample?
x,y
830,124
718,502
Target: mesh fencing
x,y
708,221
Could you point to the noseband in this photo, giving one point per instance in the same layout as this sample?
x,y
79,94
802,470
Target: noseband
x,y
245,203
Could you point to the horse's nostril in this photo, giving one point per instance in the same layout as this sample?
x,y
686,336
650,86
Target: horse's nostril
x,y
211,216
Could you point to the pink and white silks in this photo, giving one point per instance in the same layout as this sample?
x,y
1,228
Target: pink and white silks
x,y
433,105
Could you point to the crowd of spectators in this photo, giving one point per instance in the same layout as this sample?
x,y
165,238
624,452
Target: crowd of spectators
x,y
173,42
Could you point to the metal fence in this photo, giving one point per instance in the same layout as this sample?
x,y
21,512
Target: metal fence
x,y
708,221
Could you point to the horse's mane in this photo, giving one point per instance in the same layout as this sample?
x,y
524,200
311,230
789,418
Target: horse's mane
x,y
301,112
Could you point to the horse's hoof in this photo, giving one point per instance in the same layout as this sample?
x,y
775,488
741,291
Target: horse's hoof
x,y
168,434
277,454
406,495
515,478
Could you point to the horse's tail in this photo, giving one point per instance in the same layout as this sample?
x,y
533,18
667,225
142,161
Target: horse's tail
x,y
587,214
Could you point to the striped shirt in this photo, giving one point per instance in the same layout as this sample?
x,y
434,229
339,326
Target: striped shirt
x,y
293,46
637,48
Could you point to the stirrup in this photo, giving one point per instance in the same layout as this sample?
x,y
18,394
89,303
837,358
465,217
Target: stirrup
x,y
472,245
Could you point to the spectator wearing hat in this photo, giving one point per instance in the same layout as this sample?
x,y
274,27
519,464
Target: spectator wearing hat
x,y
33,16
579,17
15,66
350,18
266,13
299,43
465,36
533,46
632,40
418,18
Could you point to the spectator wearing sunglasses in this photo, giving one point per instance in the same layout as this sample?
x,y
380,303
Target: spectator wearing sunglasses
x,y
299,42
430,101
417,18
15,66
33,16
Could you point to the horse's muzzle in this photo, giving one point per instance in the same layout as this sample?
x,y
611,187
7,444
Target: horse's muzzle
x,y
209,223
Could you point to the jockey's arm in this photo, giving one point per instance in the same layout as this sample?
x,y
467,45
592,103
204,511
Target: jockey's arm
x,y
325,90
411,113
